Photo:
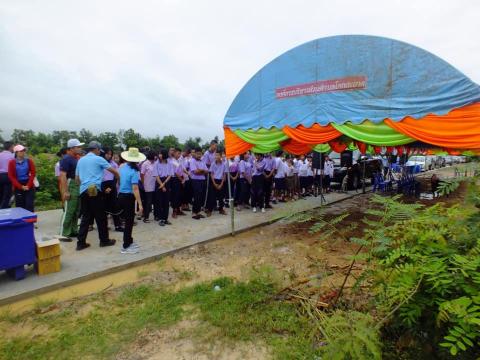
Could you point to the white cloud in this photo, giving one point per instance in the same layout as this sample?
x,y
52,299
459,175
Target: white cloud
x,y
175,66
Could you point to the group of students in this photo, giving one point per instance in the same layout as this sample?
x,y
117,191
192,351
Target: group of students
x,y
94,183
290,177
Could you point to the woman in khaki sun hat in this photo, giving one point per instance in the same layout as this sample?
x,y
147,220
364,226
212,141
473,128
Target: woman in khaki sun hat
x,y
127,194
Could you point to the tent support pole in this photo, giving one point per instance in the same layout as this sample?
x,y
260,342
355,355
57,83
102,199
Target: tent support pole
x,y
230,201
322,171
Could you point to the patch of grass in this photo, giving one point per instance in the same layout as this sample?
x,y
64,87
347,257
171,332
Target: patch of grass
x,y
161,262
142,273
40,304
7,316
239,311
184,275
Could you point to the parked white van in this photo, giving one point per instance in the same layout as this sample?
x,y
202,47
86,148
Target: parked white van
x,y
425,162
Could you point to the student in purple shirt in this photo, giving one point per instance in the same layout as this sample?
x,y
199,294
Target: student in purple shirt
x,y
187,185
258,179
245,170
209,157
216,193
149,181
234,175
163,171
177,183
198,170
5,185
269,172
109,188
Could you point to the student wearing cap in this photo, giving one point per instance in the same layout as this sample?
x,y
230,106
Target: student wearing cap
x,y
198,170
89,174
216,193
109,189
5,185
163,172
21,172
128,192
69,190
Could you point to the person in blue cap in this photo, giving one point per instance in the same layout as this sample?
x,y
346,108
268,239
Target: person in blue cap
x,y
89,174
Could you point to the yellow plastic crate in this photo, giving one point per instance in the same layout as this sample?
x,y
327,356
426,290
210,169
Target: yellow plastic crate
x,y
48,257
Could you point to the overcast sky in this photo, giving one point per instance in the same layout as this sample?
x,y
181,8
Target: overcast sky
x,y
173,67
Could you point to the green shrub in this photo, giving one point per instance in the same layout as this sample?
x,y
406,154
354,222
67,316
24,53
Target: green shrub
x,y
350,335
425,272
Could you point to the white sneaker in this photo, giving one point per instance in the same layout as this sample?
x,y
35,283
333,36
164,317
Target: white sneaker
x,y
129,250
254,209
263,210
135,245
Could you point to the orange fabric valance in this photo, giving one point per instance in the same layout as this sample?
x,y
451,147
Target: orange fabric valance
x,y
233,144
313,135
295,147
459,129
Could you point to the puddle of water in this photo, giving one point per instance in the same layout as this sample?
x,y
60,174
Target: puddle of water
x,y
82,289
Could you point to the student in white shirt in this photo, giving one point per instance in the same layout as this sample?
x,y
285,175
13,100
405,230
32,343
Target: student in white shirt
x,y
280,179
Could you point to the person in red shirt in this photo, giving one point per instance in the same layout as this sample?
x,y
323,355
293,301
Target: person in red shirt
x,y
21,172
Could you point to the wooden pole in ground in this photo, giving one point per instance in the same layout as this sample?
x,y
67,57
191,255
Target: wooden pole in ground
x,y
230,200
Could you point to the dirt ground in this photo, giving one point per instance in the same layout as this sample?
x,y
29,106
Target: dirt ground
x,y
289,248
297,255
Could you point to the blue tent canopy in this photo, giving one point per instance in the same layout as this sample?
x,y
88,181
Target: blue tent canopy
x,y
349,78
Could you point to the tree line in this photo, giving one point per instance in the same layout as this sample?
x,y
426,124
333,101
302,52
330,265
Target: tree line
x,y
52,142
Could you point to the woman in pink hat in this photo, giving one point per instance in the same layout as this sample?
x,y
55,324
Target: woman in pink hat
x,y
21,172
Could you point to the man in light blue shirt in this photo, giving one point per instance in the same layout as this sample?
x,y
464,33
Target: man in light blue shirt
x,y
89,174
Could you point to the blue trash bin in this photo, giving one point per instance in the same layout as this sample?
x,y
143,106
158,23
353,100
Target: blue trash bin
x,y
17,241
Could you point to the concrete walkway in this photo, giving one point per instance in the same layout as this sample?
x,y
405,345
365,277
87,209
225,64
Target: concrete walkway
x,y
155,242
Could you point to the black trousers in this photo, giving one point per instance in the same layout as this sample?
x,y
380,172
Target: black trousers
x,y
267,189
162,198
176,192
93,207
187,192
25,199
257,191
235,186
198,188
5,191
216,198
126,202
326,182
147,205
111,205
244,189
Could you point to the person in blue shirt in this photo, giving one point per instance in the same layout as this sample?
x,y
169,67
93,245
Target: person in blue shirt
x,y
127,194
89,174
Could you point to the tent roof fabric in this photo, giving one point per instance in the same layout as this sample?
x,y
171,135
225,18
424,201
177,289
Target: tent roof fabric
x,y
349,78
